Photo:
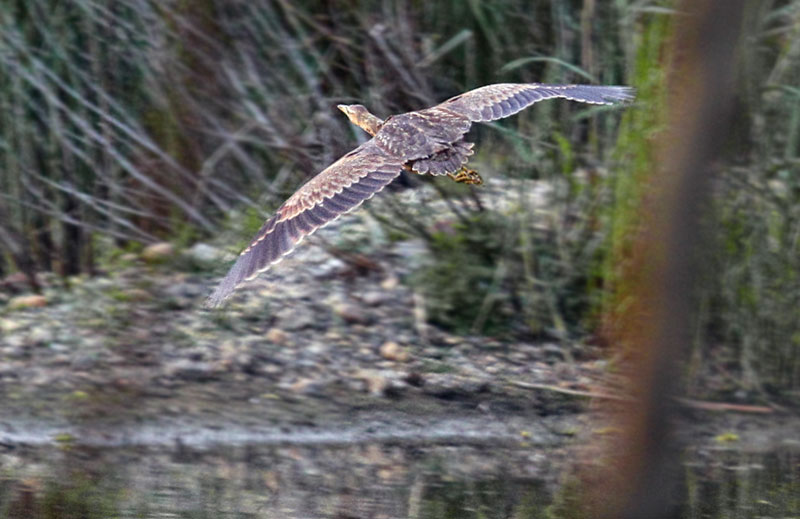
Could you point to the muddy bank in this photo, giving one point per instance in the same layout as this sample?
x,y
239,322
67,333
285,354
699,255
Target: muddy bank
x,y
319,341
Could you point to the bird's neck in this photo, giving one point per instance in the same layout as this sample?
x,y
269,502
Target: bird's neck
x,y
370,123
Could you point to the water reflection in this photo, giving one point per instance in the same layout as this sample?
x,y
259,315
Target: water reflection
x,y
373,480
734,485
355,481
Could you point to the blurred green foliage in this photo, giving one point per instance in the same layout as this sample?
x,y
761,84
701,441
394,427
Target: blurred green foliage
x,y
466,281
140,121
521,272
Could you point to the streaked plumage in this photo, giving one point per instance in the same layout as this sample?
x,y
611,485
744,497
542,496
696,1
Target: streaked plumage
x,y
429,141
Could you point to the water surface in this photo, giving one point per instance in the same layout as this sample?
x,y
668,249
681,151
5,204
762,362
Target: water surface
x,y
391,478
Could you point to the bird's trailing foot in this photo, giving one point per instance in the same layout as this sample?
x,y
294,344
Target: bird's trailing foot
x,y
466,176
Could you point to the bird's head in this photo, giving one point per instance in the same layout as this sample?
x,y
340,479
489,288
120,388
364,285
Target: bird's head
x,y
361,117
353,111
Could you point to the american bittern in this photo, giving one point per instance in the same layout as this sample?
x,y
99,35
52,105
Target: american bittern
x,y
429,141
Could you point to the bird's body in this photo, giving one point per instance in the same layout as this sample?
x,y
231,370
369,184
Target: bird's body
x,y
429,141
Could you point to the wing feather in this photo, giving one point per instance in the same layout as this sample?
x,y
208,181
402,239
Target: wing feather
x,y
494,102
340,188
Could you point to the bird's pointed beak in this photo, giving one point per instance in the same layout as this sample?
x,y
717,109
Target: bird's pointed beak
x,y
343,108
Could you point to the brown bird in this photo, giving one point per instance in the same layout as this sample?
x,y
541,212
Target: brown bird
x,y
429,141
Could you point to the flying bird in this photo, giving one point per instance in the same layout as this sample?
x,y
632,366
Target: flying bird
x,y
427,142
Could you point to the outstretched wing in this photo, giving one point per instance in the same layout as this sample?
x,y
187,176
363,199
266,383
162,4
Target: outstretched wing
x,y
501,100
339,188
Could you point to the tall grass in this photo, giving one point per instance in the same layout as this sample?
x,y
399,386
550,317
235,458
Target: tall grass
x,y
748,318
751,301
143,120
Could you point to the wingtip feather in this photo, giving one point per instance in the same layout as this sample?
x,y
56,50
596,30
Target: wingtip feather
x,y
235,276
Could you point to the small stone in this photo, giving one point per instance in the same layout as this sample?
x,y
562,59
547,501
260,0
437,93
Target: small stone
x,y
10,325
351,313
553,350
390,283
390,350
191,370
452,340
304,386
16,345
134,295
276,336
128,257
184,290
59,360
415,379
29,301
294,320
16,282
374,298
204,253
386,474
328,268
317,348
40,335
271,481
332,335
376,383
83,362
158,252
271,369
375,455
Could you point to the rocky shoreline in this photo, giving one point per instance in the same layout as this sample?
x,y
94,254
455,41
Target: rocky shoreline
x,y
316,339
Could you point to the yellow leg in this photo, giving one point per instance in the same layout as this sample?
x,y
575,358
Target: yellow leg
x,y
466,176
